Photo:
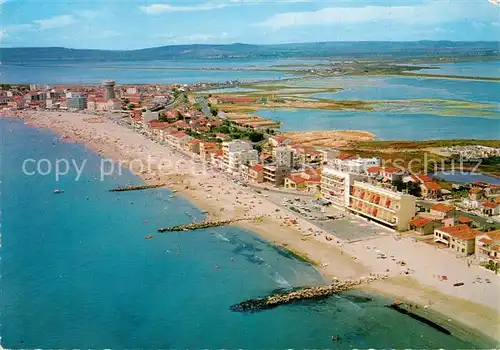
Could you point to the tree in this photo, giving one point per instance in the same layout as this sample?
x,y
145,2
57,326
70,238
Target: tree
x,y
131,106
255,136
493,266
214,111
162,117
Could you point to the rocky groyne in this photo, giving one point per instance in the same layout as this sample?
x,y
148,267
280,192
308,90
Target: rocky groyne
x,y
207,224
309,293
135,188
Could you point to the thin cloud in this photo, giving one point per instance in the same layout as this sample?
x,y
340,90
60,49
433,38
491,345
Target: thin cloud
x,y
427,13
157,9
55,22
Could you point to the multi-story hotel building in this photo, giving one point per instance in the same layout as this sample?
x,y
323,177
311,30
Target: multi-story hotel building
x,y
238,152
335,186
275,174
387,207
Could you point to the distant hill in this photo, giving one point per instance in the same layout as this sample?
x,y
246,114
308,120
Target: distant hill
x,y
322,49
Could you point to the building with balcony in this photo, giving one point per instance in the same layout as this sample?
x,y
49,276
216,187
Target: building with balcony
x,y
459,238
488,246
275,174
352,164
335,186
206,148
236,153
382,205
283,156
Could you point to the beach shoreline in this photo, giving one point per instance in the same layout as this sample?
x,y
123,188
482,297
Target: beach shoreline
x,y
223,199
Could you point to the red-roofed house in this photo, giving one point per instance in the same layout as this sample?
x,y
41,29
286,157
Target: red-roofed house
x,y
308,180
422,178
256,173
206,148
252,173
424,225
465,221
217,159
490,208
459,238
278,141
181,124
430,190
295,181
193,146
441,211
179,140
488,246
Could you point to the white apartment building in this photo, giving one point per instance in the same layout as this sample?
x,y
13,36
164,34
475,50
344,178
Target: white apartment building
x,y
335,186
352,164
236,153
284,156
351,192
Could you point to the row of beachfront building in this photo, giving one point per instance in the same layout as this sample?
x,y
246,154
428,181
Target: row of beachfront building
x,y
357,185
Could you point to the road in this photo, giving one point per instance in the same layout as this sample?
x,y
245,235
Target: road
x,y
204,107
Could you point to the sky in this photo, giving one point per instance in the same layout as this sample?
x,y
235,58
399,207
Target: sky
x,y
132,24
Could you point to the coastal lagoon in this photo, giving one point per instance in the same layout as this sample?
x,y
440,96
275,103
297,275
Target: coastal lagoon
x,y
387,125
466,177
488,69
373,88
132,74
78,273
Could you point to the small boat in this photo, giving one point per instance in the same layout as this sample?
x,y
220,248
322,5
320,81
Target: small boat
x,y
148,237
58,191
175,191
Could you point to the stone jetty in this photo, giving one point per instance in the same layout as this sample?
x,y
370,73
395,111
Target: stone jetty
x,y
136,188
317,292
207,224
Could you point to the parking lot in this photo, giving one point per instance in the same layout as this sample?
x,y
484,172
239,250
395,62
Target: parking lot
x,y
343,225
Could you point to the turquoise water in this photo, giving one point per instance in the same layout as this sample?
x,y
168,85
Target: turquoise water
x,y
78,273
468,69
92,74
387,125
403,88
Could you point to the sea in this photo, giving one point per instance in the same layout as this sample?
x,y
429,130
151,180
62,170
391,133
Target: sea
x,y
77,271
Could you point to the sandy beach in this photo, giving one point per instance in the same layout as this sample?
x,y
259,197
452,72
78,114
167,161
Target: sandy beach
x,y
475,305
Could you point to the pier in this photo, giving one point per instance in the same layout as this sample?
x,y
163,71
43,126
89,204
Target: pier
x,y
207,224
136,188
308,293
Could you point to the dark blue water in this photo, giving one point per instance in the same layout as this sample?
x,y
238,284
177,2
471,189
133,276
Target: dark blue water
x,y
387,125
78,273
